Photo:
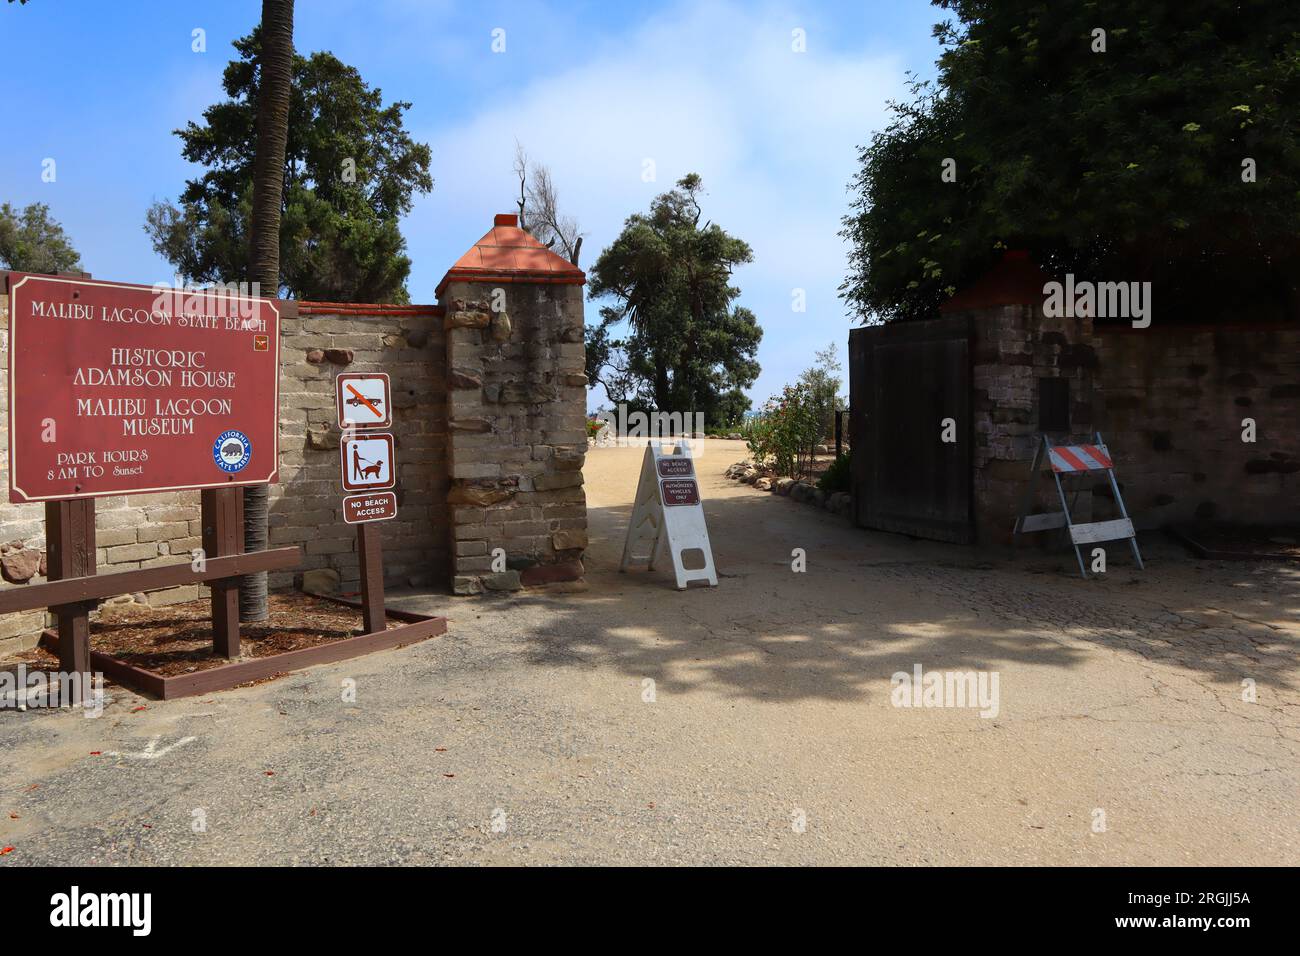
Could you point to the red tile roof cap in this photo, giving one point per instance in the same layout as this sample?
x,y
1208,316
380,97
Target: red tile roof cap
x,y
509,254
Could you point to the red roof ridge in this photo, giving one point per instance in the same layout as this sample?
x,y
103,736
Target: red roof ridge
x,y
507,253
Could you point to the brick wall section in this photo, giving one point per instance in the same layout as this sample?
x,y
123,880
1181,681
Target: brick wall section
x,y
517,433
1172,403
306,506
145,530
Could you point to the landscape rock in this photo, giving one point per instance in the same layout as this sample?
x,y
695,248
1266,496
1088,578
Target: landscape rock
x,y
466,584
783,485
502,581
321,581
19,565
763,484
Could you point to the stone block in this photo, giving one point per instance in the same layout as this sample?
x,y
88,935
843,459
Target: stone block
x,y
501,326
550,573
567,479
565,540
502,581
468,320
466,584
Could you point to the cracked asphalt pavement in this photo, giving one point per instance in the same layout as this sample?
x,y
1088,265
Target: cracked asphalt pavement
x,y
749,724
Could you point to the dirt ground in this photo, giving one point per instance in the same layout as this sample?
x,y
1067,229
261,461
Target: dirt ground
x,y
752,723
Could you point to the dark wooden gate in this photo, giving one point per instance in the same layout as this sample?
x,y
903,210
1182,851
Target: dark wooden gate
x,y
904,380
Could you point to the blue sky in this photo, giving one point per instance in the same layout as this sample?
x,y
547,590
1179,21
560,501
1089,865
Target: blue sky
x,y
590,89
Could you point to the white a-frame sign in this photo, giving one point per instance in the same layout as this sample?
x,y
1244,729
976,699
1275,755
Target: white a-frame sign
x,y
668,515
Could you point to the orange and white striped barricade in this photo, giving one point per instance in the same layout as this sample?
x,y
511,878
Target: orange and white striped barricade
x,y
1076,460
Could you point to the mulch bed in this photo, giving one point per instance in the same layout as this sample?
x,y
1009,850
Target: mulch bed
x,y
1227,542
177,639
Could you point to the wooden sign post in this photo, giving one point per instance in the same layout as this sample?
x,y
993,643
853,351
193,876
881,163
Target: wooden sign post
x,y
367,464
669,516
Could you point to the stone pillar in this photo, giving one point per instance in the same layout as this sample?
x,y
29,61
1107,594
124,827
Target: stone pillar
x,y
517,435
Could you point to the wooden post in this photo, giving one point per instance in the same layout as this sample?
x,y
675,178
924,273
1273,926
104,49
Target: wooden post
x,y
371,555
223,535
70,553
839,433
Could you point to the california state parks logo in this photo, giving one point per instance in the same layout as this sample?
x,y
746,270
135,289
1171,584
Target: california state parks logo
x,y
231,451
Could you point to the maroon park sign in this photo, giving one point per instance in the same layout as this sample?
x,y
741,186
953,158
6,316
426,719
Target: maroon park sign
x,y
119,389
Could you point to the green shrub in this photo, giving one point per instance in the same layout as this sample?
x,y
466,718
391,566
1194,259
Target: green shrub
x,y
784,435
838,477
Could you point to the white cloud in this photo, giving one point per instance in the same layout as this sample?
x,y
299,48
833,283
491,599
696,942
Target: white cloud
x,y
713,89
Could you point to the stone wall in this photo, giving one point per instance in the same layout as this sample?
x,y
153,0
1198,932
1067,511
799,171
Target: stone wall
x,y
144,530
1169,401
1013,348
517,431
1173,398
489,425
407,343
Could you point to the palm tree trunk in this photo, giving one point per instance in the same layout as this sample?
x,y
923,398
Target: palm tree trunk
x,y
275,79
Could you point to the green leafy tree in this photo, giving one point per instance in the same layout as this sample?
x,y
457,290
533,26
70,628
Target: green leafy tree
x,y
350,173
1173,156
686,348
30,241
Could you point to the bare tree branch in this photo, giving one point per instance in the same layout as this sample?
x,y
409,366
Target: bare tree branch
x,y
539,196
521,170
